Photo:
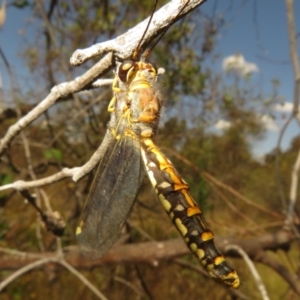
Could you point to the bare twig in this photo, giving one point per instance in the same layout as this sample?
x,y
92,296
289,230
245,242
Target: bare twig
x,y
46,200
200,270
75,116
260,285
20,253
277,160
51,33
211,178
57,92
293,51
153,252
37,199
83,279
130,285
293,190
291,279
24,270
43,261
296,68
102,82
124,45
75,173
236,210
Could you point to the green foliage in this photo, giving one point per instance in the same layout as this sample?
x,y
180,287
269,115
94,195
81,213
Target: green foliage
x,y
32,55
54,154
20,3
16,294
6,178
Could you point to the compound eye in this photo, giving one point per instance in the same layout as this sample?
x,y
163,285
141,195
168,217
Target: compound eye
x,y
152,69
126,69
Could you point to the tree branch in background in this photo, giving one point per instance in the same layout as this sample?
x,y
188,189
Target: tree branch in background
x,y
124,45
296,100
153,252
260,285
59,91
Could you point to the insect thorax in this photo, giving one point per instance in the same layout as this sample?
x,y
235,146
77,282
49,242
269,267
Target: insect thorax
x,y
137,98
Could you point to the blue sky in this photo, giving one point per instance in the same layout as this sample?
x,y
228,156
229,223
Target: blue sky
x,y
257,29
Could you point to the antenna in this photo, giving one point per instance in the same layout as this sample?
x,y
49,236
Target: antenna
x,y
136,51
149,50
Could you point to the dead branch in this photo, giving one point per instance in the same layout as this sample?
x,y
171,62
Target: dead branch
x,y
74,173
296,68
293,190
260,285
59,91
215,181
124,45
153,252
290,278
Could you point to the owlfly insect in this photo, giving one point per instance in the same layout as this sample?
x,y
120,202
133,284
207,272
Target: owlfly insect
x,y
131,153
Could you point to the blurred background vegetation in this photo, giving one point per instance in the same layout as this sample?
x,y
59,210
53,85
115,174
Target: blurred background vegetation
x,y
67,135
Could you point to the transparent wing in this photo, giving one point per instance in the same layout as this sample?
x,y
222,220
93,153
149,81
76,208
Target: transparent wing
x,y
111,197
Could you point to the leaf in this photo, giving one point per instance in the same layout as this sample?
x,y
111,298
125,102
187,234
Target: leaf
x,y
5,179
54,153
20,4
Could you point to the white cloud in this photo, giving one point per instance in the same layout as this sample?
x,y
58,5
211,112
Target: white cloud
x,y
222,124
238,64
284,107
269,123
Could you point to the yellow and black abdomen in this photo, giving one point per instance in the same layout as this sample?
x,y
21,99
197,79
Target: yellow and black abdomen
x,y
174,195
